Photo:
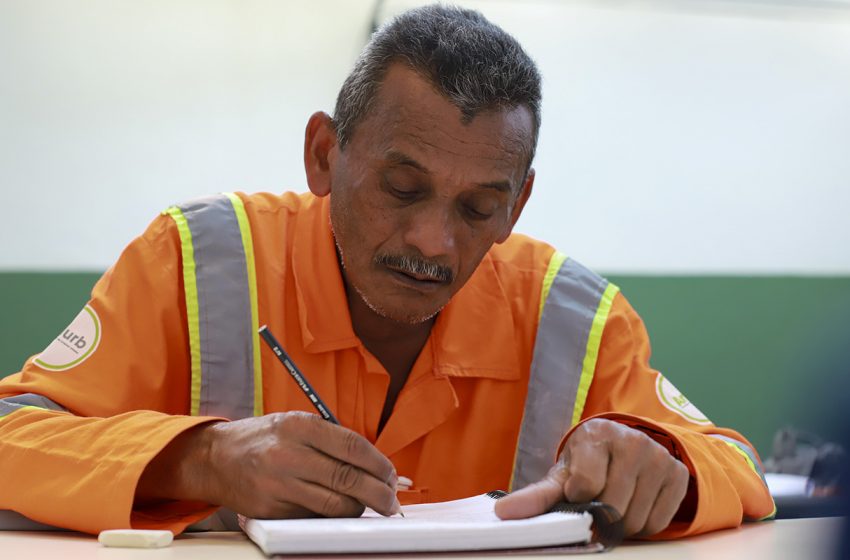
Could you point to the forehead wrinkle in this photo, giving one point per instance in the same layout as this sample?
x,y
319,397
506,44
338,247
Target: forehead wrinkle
x,y
493,152
401,116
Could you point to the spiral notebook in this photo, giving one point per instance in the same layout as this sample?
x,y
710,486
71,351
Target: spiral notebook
x,y
468,524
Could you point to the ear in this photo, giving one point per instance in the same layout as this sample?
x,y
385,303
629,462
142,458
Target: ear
x,y
519,204
319,142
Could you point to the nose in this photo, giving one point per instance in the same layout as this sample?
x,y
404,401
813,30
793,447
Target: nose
x,y
431,231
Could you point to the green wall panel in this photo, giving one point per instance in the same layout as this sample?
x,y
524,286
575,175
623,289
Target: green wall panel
x,y
754,353
36,307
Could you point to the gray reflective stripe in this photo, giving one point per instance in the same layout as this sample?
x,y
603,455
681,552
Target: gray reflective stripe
x,y
9,405
747,450
224,308
556,367
14,521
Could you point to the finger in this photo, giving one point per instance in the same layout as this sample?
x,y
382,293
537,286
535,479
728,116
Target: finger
x,y
345,479
668,501
535,498
647,489
620,483
347,446
588,470
319,500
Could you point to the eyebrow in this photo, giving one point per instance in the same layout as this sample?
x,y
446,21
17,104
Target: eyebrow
x,y
395,157
398,158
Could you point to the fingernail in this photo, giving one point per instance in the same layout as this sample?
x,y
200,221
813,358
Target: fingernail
x,y
397,507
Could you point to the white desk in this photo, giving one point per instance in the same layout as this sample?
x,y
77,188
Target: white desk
x,y
808,539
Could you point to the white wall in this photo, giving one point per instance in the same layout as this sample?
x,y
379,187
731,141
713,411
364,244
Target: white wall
x,y
680,136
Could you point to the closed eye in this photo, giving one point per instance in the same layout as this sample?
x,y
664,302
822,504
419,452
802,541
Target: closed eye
x,y
474,213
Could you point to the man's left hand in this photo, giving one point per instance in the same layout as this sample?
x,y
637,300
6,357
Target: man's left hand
x,y
612,463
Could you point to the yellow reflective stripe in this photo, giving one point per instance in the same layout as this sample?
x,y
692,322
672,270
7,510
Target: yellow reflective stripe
x,y
756,470
594,339
555,263
248,244
743,454
190,289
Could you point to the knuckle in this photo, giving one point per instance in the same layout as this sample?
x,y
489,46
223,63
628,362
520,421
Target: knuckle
x,y
288,421
277,421
337,505
658,520
660,459
582,486
594,428
652,526
635,445
680,474
352,444
345,477
331,505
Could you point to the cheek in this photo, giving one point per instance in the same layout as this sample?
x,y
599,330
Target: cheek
x,y
362,227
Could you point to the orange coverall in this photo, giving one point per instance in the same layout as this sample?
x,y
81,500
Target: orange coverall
x,y
455,423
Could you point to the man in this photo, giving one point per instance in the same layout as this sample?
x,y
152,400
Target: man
x,y
454,354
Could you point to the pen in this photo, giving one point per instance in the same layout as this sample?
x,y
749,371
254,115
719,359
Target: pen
x,y
297,375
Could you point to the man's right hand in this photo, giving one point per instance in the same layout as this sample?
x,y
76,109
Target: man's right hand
x,y
283,465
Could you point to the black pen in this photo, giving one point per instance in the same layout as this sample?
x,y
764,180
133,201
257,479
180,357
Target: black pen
x,y
297,375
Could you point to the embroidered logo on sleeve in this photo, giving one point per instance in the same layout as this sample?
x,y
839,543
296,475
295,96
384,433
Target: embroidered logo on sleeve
x,y
74,345
674,400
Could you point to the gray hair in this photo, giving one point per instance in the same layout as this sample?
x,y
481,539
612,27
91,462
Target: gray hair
x,y
475,64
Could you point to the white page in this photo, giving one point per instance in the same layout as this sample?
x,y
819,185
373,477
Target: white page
x,y
467,524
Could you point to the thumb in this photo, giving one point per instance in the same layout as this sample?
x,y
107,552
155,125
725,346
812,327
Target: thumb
x,y
536,498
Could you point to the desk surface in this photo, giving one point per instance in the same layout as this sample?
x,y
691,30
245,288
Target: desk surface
x,y
791,538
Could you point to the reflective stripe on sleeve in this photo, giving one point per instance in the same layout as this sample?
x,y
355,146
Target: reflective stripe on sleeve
x,y
569,331
9,405
592,352
221,304
248,245
190,291
745,450
752,460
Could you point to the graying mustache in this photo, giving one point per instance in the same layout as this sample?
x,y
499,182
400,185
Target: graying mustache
x,y
419,267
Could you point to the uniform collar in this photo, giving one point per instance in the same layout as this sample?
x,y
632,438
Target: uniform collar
x,y
472,337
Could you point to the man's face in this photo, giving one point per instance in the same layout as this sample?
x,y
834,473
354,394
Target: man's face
x,y
418,197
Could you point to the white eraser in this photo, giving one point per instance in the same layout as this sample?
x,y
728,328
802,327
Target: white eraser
x,y
135,538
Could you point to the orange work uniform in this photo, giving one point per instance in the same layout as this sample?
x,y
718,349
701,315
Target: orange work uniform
x,y
75,462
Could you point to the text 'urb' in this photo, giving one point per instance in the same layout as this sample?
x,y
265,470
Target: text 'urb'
x,y
77,340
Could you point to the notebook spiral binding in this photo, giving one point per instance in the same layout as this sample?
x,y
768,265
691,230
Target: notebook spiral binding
x,y
608,529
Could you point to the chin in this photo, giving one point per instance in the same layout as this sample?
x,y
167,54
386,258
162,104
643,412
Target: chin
x,y
407,315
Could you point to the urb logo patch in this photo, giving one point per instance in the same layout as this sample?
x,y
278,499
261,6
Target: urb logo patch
x,y
674,400
74,345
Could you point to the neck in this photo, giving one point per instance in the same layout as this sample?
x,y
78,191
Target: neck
x,y
396,345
